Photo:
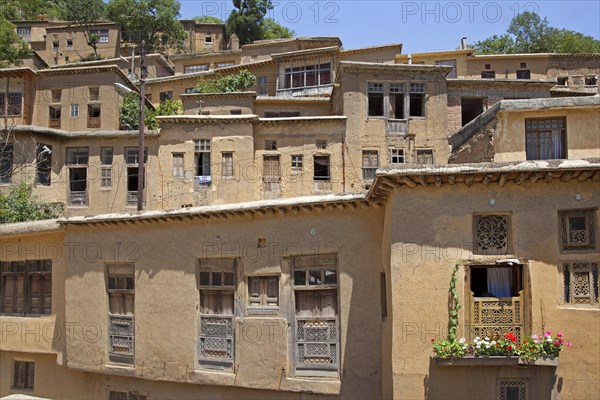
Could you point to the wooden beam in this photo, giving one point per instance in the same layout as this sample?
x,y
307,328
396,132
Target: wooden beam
x,y
522,177
502,180
597,176
452,179
438,181
390,182
584,175
548,178
536,176
408,182
423,180
469,179
566,177
487,179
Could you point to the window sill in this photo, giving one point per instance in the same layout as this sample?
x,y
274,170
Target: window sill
x,y
262,311
581,307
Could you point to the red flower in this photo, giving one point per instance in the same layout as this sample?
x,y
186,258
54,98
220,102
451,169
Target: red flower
x,y
556,343
510,337
509,348
432,340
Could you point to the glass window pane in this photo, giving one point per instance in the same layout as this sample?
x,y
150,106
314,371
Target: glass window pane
x,y
299,278
217,279
229,279
314,277
330,277
205,278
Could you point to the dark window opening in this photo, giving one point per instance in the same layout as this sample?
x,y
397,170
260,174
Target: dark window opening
x,y
524,74
502,281
470,109
488,74
44,163
321,167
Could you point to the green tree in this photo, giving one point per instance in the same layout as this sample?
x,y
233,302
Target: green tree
x,y
239,82
83,14
246,20
529,33
31,9
12,47
208,19
20,205
272,30
153,21
130,112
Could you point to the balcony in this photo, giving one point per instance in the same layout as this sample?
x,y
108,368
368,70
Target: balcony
x,y
55,123
132,198
93,122
493,317
78,198
322,90
396,126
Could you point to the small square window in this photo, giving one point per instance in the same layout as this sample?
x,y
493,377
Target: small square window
x,y
488,74
577,230
492,234
263,292
69,44
208,39
580,283
425,156
74,110
94,93
562,80
512,389
297,161
270,145
56,95
397,156
235,112
523,65
488,66
321,144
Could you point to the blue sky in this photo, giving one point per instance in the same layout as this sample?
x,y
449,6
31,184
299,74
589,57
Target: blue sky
x,y
419,25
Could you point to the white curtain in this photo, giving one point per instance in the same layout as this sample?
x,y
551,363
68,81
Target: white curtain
x,y
499,281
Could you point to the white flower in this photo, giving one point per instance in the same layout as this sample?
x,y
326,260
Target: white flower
x,y
487,338
487,346
477,339
493,342
462,340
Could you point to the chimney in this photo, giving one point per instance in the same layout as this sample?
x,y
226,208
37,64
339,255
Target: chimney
x,y
463,43
410,58
234,42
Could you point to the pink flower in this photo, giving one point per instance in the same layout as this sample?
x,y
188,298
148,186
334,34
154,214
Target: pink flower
x,y
559,334
569,344
547,334
536,341
556,343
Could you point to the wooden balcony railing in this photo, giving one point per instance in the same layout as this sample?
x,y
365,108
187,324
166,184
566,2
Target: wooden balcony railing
x,y
78,198
93,122
54,122
494,317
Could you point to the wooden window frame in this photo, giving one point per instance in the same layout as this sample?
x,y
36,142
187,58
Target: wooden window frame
x,y
26,382
227,165
178,165
569,270
213,275
566,244
24,273
310,267
263,303
120,285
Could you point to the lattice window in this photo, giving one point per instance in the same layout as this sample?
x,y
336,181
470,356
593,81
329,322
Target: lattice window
x,y
270,144
217,284
512,389
317,351
577,230
580,282
492,234
121,292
